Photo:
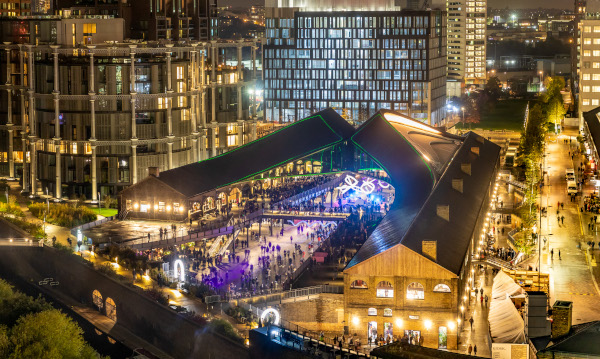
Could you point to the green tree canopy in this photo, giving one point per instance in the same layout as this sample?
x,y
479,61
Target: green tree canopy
x,y
49,334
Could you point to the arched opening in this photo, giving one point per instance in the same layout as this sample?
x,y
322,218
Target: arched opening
x,y
208,205
441,288
385,289
235,195
97,299
359,284
415,291
317,167
111,309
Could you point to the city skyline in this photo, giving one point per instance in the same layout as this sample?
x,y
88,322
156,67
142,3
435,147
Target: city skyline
x,y
495,4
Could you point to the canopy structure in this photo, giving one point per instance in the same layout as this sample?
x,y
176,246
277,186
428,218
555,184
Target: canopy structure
x,y
506,324
505,286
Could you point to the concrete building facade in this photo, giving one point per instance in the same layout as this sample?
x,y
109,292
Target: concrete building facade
x,y
466,43
589,65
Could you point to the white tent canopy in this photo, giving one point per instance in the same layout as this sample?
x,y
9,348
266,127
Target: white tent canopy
x,y
506,324
504,286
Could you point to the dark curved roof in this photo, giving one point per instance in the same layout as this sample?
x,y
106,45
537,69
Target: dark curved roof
x,y
297,140
419,189
410,175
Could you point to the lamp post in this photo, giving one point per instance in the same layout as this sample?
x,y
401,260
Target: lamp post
x,y
463,114
100,203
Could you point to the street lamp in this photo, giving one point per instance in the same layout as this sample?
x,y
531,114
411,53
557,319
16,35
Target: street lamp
x,y
463,113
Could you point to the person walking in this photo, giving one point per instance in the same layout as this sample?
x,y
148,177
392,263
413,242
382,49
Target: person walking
x,y
475,349
470,349
471,321
552,253
559,255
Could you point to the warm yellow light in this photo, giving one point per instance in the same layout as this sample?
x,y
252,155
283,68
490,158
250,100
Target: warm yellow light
x,y
426,158
462,308
355,320
168,208
10,240
427,324
156,207
465,297
146,277
136,205
181,209
176,293
451,325
458,321
472,270
407,121
399,322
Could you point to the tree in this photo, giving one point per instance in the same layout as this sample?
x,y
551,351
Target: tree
x,y
493,88
556,111
48,334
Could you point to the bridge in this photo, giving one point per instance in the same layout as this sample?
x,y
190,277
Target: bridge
x,y
493,262
306,215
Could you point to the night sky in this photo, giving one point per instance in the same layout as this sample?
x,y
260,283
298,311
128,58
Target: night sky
x,y
563,4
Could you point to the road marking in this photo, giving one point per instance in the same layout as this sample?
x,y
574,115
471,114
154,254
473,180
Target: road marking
x,y
581,293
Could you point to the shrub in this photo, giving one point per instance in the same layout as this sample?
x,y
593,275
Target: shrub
x,y
12,207
157,295
64,215
225,328
34,229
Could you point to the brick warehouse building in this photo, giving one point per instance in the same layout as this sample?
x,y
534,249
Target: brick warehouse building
x,y
413,274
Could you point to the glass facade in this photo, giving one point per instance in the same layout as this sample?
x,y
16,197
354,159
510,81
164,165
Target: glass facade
x,y
356,63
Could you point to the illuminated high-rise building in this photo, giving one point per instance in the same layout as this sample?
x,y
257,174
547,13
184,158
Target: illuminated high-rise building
x,y
354,56
466,44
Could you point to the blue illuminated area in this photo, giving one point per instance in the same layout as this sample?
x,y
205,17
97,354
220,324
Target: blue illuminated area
x,y
356,63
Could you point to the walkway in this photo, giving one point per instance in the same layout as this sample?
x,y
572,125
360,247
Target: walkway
x,y
570,276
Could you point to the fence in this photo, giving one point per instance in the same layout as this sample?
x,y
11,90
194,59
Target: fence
x,y
89,225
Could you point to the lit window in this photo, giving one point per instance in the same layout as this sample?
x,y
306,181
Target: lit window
x,y
385,290
387,312
595,102
359,284
587,76
442,288
179,72
595,88
586,102
415,291
586,89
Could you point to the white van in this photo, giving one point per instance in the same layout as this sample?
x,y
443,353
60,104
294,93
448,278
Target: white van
x,y
570,174
571,187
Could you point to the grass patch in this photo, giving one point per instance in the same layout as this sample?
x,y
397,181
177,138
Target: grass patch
x,y
507,115
105,212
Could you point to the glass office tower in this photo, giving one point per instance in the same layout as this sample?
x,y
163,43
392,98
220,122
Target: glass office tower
x,y
355,62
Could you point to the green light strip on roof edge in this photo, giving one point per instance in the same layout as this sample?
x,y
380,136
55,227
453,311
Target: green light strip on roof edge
x,y
272,133
280,163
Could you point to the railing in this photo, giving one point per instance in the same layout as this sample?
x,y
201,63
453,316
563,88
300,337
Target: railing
x,y
307,341
278,296
90,225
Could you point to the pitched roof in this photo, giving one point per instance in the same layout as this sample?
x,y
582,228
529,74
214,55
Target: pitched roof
x,y
413,215
297,140
583,339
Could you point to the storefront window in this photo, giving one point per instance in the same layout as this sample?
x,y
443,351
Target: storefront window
x,y
388,331
359,284
161,206
385,290
144,207
443,338
415,291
